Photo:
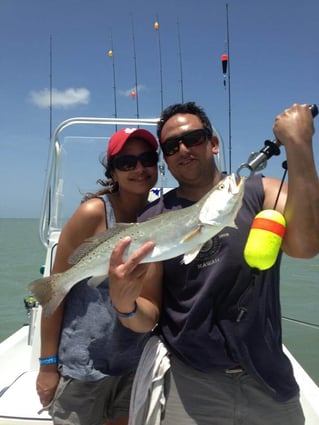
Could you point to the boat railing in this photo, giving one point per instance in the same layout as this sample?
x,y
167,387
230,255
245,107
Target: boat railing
x,y
52,187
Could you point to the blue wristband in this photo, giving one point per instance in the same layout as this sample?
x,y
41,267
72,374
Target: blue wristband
x,y
48,360
127,315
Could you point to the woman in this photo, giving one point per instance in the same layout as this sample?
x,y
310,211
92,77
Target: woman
x,y
88,358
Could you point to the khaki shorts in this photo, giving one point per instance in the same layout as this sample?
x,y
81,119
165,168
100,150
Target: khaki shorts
x,y
91,403
224,398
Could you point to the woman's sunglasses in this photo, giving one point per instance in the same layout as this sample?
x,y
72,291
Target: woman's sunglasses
x,y
129,162
193,138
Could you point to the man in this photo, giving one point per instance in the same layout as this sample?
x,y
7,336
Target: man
x,y
221,320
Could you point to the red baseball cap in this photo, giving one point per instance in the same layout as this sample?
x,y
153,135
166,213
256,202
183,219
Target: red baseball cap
x,y
118,139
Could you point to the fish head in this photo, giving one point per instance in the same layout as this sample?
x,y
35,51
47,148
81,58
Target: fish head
x,y
224,200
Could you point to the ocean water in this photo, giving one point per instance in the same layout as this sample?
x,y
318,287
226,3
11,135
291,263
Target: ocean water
x,y
22,255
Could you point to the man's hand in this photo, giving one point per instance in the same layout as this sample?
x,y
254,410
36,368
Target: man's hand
x,y
126,278
294,125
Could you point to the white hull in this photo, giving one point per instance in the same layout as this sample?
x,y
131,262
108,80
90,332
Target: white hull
x,y
19,403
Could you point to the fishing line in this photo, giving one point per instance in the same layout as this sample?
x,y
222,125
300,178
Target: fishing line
x,y
301,322
268,226
285,167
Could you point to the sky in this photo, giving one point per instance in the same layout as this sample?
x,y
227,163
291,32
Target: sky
x,y
273,63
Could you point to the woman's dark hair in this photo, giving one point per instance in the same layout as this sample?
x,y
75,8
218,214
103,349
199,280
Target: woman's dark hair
x,y
183,108
108,184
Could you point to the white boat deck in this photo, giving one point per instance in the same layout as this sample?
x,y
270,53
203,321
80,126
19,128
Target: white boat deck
x,y
19,403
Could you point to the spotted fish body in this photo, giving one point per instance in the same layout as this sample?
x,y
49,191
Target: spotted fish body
x,y
179,232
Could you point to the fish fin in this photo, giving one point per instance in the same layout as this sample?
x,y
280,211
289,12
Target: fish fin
x,y
191,234
96,280
46,293
191,255
91,243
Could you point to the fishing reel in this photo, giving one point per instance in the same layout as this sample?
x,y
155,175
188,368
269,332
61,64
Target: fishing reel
x,y
29,303
257,161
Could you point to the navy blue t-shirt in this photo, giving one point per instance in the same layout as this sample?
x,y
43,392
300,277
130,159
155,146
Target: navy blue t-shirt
x,y
203,301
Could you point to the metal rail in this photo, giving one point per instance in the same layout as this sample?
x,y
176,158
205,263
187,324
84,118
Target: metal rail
x,y
49,208
51,181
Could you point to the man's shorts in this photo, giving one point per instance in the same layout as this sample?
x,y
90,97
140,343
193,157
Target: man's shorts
x,y
224,398
91,402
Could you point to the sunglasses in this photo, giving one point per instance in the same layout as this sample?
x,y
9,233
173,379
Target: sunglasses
x,y
129,162
193,138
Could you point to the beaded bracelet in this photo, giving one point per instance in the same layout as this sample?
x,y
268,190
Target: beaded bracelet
x,y
48,360
127,315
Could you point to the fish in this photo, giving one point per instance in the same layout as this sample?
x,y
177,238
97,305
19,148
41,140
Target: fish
x,y
175,233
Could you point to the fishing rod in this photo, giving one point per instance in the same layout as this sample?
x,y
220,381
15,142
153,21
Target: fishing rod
x,y
50,122
157,29
258,160
180,61
301,322
161,165
135,70
111,55
229,92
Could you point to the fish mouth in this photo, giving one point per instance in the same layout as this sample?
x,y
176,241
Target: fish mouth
x,y
239,180
233,183
236,183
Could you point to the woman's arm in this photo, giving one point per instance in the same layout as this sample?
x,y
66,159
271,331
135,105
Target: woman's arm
x,y
87,220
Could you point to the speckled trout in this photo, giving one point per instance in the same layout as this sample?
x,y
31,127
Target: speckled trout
x,y
175,233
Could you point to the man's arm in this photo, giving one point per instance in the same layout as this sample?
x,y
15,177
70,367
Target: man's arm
x,y
299,200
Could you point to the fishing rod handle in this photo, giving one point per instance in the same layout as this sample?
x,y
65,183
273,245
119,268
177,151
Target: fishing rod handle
x,y
314,110
258,161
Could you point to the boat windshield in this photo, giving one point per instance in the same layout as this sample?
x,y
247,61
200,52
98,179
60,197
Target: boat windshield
x,y
74,167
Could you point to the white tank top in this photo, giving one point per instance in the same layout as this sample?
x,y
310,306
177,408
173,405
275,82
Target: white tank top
x,y
109,213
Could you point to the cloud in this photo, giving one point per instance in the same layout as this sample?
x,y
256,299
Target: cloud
x,y
60,99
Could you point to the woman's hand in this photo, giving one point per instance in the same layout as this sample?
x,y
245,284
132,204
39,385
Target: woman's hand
x,y
47,382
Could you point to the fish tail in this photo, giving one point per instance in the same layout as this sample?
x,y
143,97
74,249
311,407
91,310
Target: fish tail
x,y
46,293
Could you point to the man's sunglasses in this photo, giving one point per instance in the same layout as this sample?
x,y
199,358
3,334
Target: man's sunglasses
x,y
129,162
193,138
